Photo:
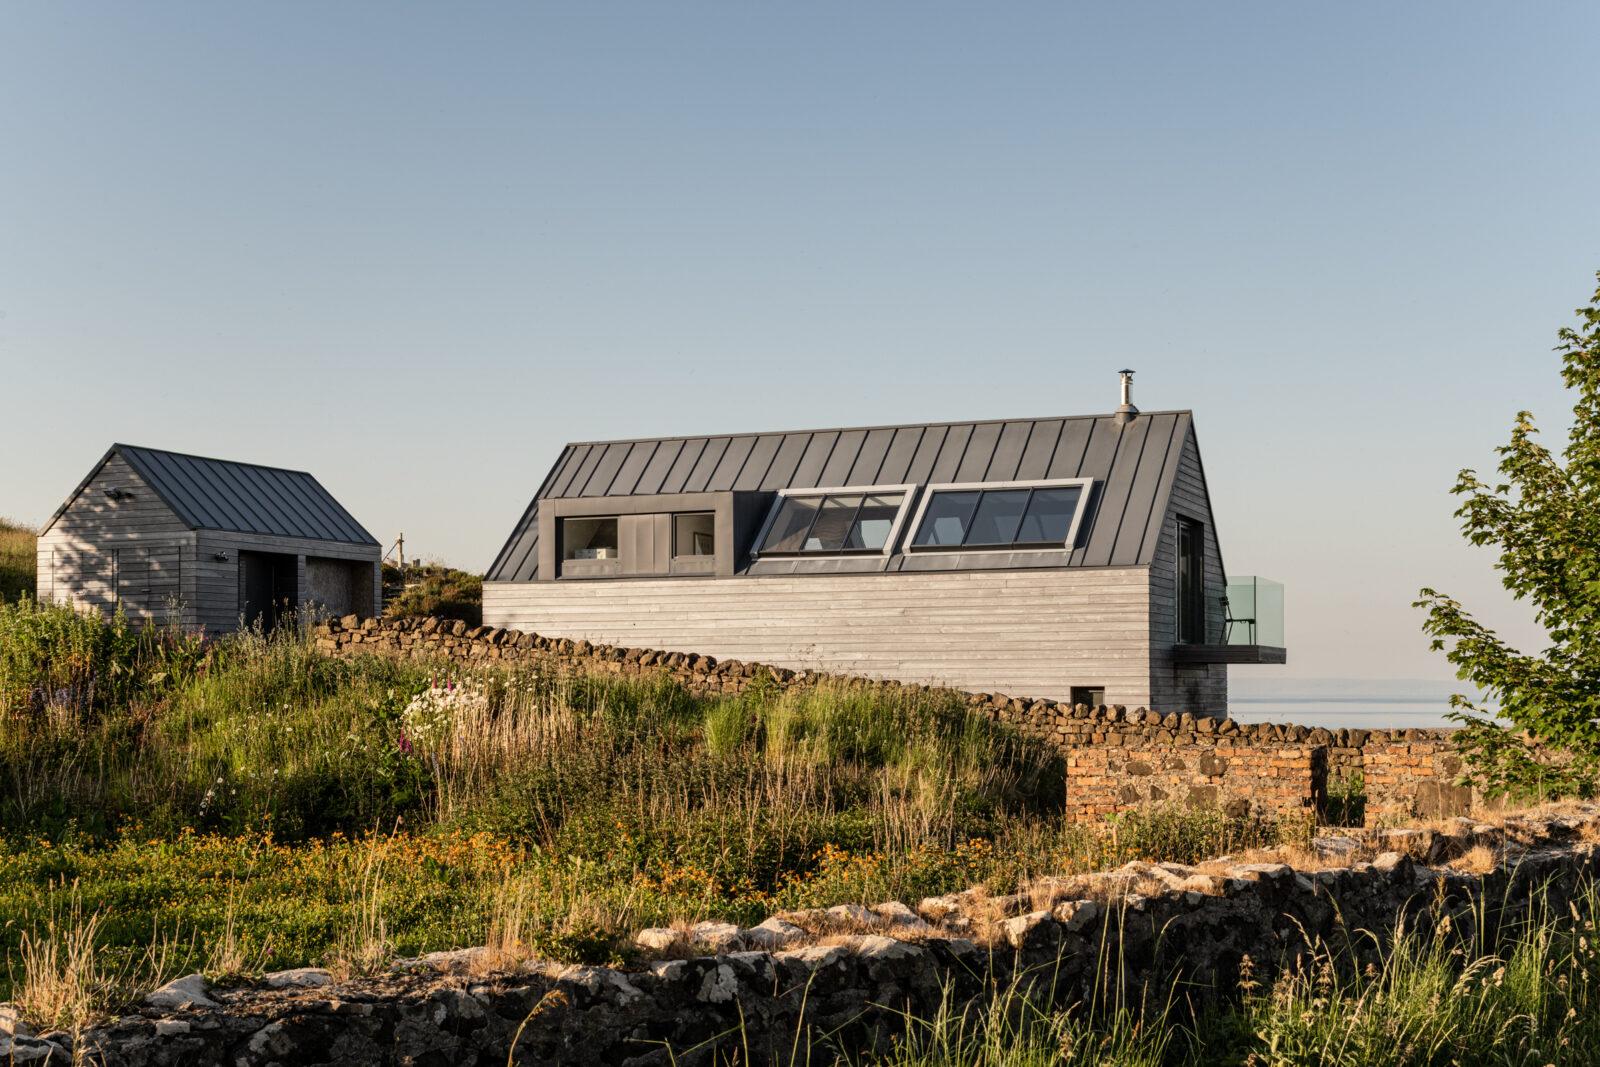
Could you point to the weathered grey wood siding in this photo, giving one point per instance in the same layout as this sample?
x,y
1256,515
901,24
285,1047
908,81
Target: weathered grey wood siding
x,y
103,553
1198,689
1025,633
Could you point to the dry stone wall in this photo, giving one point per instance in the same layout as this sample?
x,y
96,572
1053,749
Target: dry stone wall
x,y
756,995
1116,758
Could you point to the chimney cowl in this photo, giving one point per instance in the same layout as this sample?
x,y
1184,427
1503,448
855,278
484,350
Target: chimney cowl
x,y
1126,413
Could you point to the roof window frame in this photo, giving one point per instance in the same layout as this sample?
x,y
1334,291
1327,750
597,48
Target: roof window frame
x,y
1067,545
908,493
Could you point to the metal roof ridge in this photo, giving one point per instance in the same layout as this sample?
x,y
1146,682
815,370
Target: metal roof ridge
x,y
214,459
846,429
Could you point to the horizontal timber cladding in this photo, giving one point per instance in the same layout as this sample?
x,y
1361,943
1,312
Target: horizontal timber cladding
x,y
115,544
1037,633
115,505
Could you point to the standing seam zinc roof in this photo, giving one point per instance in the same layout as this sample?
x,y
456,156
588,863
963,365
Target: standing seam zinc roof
x,y
1133,467
215,494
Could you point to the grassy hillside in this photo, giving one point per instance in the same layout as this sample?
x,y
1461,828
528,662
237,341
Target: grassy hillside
x,y
168,805
425,589
17,560
259,792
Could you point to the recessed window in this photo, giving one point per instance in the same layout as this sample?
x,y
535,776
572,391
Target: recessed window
x,y
1093,696
694,534
1001,515
1191,582
836,522
589,538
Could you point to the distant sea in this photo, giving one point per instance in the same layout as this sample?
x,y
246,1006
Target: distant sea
x,y
1352,703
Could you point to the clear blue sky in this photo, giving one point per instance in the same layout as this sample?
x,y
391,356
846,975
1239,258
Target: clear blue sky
x,y
414,249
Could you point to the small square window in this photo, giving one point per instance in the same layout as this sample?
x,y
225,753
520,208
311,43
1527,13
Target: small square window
x,y
1049,516
589,538
947,518
694,534
793,522
873,522
832,528
1093,696
999,515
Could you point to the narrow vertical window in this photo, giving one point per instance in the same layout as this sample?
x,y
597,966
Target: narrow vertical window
x,y
1191,582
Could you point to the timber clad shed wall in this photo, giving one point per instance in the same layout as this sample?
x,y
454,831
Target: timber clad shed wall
x,y
1130,466
98,552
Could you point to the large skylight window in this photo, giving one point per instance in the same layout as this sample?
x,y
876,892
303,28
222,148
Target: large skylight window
x,y
832,522
1001,515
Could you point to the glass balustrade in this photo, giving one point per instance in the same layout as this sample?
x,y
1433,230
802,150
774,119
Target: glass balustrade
x,y
1255,612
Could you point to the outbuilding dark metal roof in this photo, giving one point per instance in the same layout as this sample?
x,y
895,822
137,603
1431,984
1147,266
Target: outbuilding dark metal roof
x,y
216,494
1133,466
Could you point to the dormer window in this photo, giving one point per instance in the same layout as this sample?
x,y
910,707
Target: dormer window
x,y
834,522
990,515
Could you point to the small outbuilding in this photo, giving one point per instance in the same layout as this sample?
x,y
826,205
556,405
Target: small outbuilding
x,y
206,543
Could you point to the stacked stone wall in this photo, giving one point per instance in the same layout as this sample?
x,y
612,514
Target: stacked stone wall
x,y
1116,758
757,995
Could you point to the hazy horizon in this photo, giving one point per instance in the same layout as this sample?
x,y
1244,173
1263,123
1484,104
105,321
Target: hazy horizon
x,y
414,250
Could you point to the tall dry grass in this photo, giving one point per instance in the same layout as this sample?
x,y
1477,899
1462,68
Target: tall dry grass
x,y
61,978
1516,988
18,559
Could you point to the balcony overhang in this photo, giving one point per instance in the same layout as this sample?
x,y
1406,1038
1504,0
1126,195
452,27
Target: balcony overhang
x,y
1185,655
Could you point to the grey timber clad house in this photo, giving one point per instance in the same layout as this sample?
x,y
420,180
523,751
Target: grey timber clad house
x,y
206,543
1070,558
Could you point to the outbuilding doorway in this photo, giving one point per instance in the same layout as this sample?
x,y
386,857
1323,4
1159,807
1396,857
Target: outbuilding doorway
x,y
267,588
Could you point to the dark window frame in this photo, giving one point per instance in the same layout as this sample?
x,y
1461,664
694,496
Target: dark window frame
x,y
1068,544
675,554
616,546
1189,594
1084,694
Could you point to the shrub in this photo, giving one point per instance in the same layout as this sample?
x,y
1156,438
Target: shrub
x,y
54,657
425,589
1542,513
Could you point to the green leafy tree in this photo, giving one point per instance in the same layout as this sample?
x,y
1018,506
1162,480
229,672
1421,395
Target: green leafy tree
x,y
1543,516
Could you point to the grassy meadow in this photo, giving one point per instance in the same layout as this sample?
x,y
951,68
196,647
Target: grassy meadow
x,y
294,808
240,805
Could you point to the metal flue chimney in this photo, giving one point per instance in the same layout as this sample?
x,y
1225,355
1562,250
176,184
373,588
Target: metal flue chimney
x,y
1127,412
